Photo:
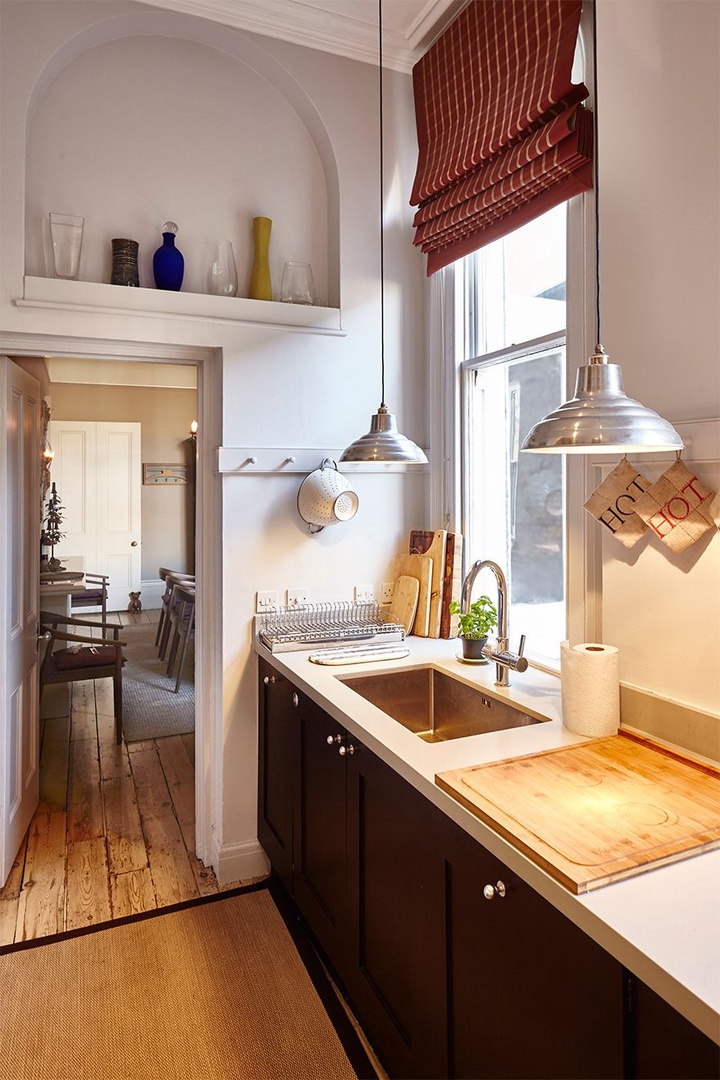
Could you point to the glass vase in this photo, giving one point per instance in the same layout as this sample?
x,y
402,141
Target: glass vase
x,y
222,277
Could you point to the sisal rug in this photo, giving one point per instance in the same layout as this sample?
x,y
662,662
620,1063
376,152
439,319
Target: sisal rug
x,y
151,708
212,991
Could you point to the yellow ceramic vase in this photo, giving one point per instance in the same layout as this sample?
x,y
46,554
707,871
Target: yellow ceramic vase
x,y
260,283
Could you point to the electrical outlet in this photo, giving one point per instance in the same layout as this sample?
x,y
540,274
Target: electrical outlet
x,y
364,594
388,590
297,597
266,600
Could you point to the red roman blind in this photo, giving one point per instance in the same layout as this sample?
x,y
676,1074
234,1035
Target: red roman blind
x,y
502,135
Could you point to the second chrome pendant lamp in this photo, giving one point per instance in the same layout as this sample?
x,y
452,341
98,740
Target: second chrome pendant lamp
x,y
383,442
600,419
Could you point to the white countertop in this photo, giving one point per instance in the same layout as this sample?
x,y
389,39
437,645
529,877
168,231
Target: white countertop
x,y
663,924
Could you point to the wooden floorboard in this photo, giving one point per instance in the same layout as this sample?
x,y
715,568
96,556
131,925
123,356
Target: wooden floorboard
x,y
41,910
88,885
114,831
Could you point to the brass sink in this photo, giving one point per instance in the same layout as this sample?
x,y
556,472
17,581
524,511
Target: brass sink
x,y
436,706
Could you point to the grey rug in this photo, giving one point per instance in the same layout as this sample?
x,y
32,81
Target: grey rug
x,y
151,709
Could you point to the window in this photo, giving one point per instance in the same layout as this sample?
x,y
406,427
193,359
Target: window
x,y
513,373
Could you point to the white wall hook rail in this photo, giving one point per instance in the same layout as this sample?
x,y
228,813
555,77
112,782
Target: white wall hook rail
x,y
245,460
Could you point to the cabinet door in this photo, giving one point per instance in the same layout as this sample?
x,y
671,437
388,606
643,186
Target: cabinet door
x,y
663,1043
530,993
319,883
277,751
396,877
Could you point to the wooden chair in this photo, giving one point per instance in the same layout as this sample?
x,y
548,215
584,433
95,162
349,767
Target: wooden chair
x,y
182,620
82,656
95,596
163,628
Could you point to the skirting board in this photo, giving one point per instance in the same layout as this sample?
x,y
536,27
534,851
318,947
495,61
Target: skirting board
x,y
151,593
240,862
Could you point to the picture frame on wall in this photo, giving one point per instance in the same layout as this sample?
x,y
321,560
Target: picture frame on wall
x,y
162,473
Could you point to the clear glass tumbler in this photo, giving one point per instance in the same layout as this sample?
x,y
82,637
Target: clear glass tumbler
x,y
297,284
222,279
66,232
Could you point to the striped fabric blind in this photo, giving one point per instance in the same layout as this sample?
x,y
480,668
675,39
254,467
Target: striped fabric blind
x,y
502,136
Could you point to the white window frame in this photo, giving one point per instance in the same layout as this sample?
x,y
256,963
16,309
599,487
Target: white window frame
x,y
446,346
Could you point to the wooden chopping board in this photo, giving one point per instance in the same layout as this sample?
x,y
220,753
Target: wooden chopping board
x,y
420,567
405,601
434,545
597,812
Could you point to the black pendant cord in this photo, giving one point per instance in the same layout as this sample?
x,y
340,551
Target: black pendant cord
x,y
596,176
382,218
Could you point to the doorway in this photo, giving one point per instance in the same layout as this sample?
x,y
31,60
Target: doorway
x,y
96,475
208,366
92,403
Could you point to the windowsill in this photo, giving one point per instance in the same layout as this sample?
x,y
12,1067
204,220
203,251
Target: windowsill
x,y
97,298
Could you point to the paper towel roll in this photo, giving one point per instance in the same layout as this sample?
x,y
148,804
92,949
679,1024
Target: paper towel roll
x,y
590,688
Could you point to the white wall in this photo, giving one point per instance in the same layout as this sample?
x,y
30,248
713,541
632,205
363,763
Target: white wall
x,y
268,149
660,231
659,161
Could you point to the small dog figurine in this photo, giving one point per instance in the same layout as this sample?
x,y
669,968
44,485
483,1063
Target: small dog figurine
x,y
135,605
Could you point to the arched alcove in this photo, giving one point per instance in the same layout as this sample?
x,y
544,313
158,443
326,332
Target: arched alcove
x,y
131,127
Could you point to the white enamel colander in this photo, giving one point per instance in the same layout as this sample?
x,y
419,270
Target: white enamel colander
x,y
326,498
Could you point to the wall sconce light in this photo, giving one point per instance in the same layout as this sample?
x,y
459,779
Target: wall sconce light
x,y
193,429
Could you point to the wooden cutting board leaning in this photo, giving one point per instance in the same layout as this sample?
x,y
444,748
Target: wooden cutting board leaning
x,y
597,812
420,567
405,601
449,583
434,545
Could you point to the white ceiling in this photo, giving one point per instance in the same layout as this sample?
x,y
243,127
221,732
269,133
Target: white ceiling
x,y
345,27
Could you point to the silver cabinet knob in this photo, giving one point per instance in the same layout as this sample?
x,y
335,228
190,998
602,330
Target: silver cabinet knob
x,y
333,739
343,750
491,891
295,700
269,679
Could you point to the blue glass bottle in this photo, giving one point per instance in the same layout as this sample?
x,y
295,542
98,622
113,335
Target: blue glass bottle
x,y
168,262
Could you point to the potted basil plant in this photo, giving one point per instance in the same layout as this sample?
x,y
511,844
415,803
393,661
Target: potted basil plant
x,y
474,625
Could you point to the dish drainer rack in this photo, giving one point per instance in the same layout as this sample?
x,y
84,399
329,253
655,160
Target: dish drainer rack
x,y
293,628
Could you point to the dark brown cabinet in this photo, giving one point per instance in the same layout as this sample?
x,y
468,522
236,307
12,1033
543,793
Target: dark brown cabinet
x,y
319,876
663,1045
454,966
396,886
277,754
530,994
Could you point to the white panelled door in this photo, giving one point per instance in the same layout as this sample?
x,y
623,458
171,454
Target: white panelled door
x,y
97,470
20,560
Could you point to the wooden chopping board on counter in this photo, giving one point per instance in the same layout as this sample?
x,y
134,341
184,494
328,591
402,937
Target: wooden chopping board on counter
x,y
596,812
420,567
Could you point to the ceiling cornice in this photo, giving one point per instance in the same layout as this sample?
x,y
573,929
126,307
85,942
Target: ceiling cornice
x,y
332,27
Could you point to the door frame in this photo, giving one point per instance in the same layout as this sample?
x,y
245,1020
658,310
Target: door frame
x,y
208,678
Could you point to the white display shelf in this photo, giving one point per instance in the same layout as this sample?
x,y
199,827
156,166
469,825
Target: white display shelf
x,y
94,297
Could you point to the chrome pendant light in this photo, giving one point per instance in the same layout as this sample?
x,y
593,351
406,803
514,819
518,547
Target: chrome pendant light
x,y
600,419
383,442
